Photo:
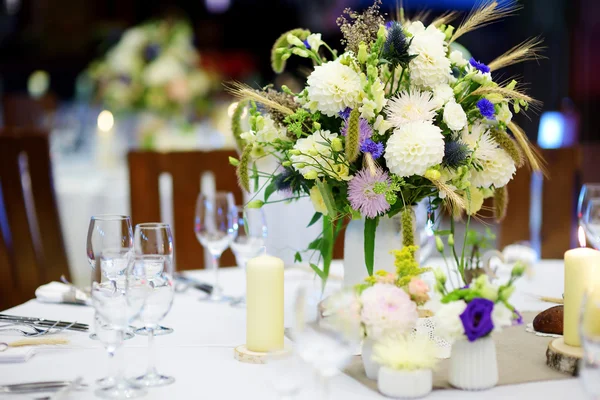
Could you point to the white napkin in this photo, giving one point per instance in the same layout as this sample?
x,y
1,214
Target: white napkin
x,y
57,292
16,354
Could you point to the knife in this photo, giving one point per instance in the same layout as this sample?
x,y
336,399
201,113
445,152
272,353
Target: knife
x,y
37,387
43,322
191,282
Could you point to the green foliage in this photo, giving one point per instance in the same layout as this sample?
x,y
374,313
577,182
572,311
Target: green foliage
x,y
236,125
369,242
279,54
242,169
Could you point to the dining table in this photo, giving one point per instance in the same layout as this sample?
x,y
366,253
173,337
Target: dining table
x,y
200,351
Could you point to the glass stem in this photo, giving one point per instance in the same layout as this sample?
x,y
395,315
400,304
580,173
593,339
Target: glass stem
x,y
216,292
118,357
151,352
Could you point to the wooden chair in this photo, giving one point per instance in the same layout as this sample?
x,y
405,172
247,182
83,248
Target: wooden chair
x,y
186,169
546,206
32,251
21,110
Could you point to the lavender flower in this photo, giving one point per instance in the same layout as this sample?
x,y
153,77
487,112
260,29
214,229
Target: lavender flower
x,y
477,318
479,66
365,130
369,146
486,108
362,196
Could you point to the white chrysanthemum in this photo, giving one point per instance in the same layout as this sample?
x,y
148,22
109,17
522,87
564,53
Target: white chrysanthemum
x,y
430,67
332,87
442,94
413,148
410,106
447,320
454,116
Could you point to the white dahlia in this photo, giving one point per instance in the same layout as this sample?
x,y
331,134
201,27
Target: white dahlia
x,y
430,67
412,106
413,148
332,87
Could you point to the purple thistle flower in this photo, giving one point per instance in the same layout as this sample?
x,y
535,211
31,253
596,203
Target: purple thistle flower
x,y
365,130
479,66
345,114
362,196
369,146
486,108
306,44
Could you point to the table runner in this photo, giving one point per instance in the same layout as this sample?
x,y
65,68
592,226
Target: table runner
x,y
521,359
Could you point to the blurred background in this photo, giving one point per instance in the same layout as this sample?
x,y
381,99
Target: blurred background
x,y
66,67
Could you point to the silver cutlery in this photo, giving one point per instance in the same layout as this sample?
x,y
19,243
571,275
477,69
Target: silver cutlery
x,y
44,322
64,392
34,331
32,387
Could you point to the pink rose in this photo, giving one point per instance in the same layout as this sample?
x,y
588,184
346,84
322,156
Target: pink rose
x,y
418,290
389,278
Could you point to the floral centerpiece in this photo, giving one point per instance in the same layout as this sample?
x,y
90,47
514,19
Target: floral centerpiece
x,y
396,117
154,68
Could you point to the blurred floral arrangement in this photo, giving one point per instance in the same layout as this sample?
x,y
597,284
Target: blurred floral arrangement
x,y
397,117
407,353
154,67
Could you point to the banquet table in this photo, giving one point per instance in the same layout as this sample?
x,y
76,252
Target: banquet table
x,y
199,354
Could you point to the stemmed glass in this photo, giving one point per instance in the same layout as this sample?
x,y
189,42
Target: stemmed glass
x,y
159,292
154,238
251,227
588,213
589,367
116,302
215,230
109,233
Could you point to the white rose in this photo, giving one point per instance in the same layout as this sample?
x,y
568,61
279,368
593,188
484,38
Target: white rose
x,y
442,94
501,317
456,58
447,320
454,116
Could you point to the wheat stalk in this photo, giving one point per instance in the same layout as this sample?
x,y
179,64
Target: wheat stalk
x,y
535,160
245,92
525,51
445,18
486,13
515,94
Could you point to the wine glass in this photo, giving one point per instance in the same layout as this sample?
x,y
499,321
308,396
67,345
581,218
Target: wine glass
x,y
588,213
106,233
251,227
154,238
215,230
116,303
159,293
589,367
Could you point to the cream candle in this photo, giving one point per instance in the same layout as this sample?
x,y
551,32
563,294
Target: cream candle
x,y
264,304
581,266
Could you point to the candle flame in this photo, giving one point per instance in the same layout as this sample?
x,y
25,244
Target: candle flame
x,y
581,235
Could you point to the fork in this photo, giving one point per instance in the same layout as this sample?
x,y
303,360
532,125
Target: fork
x,y
37,330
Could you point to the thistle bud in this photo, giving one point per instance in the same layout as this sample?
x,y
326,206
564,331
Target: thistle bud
x,y
336,145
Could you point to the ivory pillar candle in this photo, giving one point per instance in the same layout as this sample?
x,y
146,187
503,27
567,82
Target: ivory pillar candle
x,y
582,266
264,304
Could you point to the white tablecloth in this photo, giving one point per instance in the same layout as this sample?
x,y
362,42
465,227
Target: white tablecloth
x,y
199,354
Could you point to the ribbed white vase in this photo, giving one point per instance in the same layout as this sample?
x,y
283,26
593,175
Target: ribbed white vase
x,y
371,367
401,384
473,365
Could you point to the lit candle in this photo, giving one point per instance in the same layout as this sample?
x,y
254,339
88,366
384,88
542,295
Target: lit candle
x,y
264,304
580,267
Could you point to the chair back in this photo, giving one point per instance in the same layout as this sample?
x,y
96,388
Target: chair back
x,y
186,170
32,250
24,111
543,211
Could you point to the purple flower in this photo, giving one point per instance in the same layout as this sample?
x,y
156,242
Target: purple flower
x,y
479,66
362,196
389,24
486,108
151,52
369,146
306,44
365,130
519,319
345,114
477,318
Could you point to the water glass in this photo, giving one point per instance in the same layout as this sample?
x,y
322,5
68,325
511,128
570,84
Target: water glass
x,y
589,367
215,230
588,213
154,238
251,228
106,233
156,278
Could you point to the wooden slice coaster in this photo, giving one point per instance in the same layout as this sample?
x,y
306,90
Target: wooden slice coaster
x,y
562,357
242,354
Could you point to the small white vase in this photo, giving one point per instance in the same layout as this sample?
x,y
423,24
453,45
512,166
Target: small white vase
x,y
371,367
401,384
473,365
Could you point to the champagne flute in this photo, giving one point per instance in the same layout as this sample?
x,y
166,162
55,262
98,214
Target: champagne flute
x,y
109,233
116,303
154,238
589,367
251,227
588,213
159,292
215,230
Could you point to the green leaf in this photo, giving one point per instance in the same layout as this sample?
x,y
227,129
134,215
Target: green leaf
x,y
327,247
325,191
318,271
315,244
369,242
269,190
314,219
255,204
298,257
443,233
255,173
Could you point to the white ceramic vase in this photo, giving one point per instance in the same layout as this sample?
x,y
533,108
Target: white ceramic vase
x,y
371,367
401,384
473,365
